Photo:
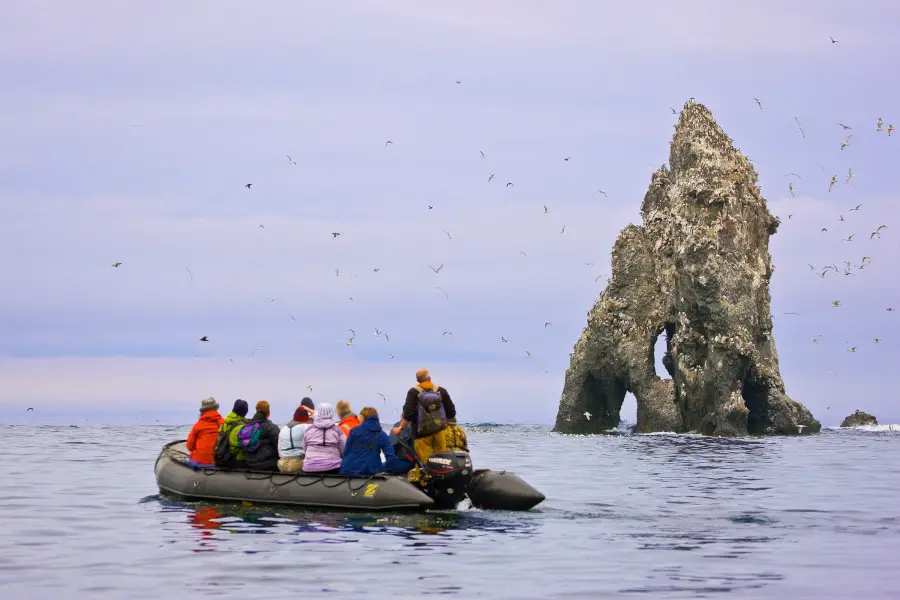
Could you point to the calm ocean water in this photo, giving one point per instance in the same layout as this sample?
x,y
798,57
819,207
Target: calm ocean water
x,y
655,516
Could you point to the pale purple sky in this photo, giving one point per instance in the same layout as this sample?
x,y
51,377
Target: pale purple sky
x,y
130,130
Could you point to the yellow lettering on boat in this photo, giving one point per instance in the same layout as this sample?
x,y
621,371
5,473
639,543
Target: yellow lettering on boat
x,y
370,490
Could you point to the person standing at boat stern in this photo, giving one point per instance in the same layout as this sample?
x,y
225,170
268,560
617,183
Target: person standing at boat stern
x,y
290,440
262,456
428,407
201,441
323,443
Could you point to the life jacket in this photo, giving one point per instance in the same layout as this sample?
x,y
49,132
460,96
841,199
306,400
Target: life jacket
x,y
223,453
431,415
248,436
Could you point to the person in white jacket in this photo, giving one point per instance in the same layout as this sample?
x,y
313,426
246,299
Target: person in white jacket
x,y
290,438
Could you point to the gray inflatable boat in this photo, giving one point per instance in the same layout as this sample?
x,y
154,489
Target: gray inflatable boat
x,y
450,474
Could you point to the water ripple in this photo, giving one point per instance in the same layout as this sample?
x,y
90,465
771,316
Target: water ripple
x,y
657,516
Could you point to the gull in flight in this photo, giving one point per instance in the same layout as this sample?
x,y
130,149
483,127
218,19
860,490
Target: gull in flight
x,y
510,183
850,238
527,354
890,130
503,339
846,127
849,177
290,160
587,415
450,333
846,142
856,208
832,182
547,324
880,125
438,270
191,274
800,127
388,142
791,189
792,174
204,339
833,41
292,317
876,340
601,192
851,349
546,210
249,186
117,264
800,428
563,230
483,155
309,387
491,176
383,397
758,103
446,295
567,158
352,333
447,233
835,303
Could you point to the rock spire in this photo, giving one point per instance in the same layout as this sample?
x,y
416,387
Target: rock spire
x,y
697,271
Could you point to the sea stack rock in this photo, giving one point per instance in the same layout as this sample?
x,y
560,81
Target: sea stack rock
x,y
858,419
696,271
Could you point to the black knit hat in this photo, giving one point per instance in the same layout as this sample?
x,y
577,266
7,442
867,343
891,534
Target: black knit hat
x,y
241,408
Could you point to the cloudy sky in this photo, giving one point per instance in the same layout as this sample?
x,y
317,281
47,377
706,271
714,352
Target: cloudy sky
x,y
131,129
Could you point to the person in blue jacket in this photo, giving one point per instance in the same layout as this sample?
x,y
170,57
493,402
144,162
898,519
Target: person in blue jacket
x,y
366,442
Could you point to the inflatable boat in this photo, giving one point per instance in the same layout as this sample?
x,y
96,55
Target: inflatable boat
x,y
450,480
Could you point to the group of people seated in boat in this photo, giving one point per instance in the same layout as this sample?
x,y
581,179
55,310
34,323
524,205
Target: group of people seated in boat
x,y
314,442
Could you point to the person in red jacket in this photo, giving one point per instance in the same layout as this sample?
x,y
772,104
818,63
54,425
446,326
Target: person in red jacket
x,y
201,441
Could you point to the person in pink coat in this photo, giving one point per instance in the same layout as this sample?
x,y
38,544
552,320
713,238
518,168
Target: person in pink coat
x,y
323,443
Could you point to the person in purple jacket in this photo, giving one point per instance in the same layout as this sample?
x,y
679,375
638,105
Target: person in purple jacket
x,y
323,443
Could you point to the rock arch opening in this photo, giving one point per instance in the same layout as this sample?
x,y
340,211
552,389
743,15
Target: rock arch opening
x,y
661,352
603,397
755,399
628,411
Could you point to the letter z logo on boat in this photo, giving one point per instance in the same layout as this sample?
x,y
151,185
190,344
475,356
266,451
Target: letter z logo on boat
x,y
370,490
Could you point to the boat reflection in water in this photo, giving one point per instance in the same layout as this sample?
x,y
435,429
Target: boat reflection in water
x,y
212,525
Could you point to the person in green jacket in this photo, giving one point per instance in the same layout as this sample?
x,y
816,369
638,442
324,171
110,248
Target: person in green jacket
x,y
228,453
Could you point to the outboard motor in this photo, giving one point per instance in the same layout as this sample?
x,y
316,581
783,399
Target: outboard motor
x,y
447,477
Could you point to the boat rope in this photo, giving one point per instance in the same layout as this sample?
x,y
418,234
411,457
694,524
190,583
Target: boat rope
x,y
182,457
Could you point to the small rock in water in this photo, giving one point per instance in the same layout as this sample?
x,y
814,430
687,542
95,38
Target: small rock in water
x,y
859,418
